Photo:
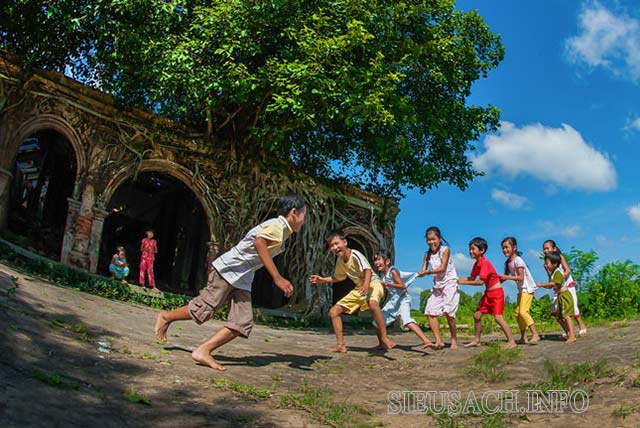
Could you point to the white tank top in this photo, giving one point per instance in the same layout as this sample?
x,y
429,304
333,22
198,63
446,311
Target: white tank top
x,y
447,277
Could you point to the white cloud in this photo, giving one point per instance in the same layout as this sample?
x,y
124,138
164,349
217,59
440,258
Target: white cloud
x,y
606,40
550,229
570,231
508,199
463,264
634,214
558,156
633,125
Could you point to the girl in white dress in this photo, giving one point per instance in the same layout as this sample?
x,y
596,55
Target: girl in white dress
x,y
445,295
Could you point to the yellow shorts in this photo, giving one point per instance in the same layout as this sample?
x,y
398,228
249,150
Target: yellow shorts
x,y
354,301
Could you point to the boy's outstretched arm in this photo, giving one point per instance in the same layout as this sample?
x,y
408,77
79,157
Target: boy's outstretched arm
x,y
470,281
263,252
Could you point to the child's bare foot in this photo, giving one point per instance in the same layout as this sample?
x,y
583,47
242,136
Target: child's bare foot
x,y
389,345
472,344
155,290
201,356
570,339
522,341
439,345
535,339
162,325
339,348
454,344
428,345
378,347
511,345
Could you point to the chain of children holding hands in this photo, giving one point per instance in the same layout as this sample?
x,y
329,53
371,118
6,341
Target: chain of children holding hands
x,y
230,283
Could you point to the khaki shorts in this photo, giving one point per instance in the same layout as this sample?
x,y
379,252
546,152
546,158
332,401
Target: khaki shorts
x,y
354,301
214,296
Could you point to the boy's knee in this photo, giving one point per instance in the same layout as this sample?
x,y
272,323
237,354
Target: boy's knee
x,y
335,311
374,305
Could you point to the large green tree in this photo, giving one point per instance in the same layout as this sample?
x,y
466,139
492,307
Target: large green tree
x,y
372,93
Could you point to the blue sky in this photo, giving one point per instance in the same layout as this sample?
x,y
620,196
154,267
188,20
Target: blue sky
x,y
564,164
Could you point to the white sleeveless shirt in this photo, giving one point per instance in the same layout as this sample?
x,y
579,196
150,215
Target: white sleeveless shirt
x,y
449,276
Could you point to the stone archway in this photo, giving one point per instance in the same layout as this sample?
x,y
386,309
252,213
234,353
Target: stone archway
x,y
160,201
44,177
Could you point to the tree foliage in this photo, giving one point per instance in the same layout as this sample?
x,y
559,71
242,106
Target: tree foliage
x,y
582,264
372,93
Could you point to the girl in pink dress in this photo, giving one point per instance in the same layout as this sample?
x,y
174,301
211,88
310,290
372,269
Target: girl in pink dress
x,y
148,250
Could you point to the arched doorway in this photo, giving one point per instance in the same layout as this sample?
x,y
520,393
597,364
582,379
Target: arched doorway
x,y
264,293
44,177
165,204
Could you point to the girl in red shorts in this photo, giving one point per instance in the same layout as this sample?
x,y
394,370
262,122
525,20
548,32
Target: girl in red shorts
x,y
492,301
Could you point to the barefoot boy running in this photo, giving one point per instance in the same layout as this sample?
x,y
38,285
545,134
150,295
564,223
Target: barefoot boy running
x,y
366,295
231,277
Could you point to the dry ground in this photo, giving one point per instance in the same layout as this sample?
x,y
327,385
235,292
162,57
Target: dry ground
x,y
71,359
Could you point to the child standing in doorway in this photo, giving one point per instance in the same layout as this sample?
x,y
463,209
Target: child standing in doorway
x,y
445,295
148,250
516,270
492,301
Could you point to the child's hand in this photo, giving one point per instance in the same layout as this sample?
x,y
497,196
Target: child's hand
x,y
315,279
363,290
503,277
284,285
423,273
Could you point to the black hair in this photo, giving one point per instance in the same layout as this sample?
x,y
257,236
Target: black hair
x,y
118,249
481,243
334,233
289,202
436,230
385,254
514,243
149,229
554,257
552,242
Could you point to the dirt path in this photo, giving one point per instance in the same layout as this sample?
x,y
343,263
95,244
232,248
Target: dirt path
x,y
72,359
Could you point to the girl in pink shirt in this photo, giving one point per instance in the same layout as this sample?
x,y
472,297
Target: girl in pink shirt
x,y
148,250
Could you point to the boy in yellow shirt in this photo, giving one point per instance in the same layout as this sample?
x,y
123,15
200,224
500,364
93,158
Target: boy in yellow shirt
x,y
367,293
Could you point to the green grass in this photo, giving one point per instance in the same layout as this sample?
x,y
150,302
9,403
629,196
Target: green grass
x,y
446,420
624,410
54,379
135,397
320,403
82,281
80,328
571,376
247,391
490,364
